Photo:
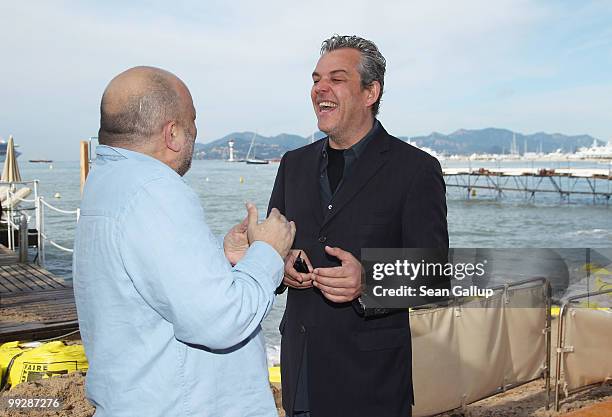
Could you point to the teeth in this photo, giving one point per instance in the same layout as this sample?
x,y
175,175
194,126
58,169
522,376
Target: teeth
x,y
327,104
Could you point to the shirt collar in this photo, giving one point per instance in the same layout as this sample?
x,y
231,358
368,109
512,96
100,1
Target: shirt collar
x,y
112,153
358,148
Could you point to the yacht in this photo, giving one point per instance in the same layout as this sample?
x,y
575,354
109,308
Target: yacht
x,y
253,160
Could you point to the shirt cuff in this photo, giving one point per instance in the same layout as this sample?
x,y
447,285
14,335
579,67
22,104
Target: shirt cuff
x,y
263,263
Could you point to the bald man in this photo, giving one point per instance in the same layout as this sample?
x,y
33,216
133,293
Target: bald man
x,y
170,317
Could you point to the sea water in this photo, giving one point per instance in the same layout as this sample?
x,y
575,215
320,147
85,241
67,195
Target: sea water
x,y
480,222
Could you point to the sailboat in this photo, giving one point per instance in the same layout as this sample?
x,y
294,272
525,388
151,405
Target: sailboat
x,y
254,160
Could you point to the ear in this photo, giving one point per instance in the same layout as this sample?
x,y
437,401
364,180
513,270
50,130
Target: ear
x,y
373,91
171,136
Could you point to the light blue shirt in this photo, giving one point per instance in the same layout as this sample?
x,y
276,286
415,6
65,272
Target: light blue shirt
x,y
170,328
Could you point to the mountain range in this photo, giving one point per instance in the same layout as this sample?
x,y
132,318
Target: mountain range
x,y
461,142
499,141
264,148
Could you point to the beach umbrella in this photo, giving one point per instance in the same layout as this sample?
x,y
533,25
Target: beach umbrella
x,y
10,173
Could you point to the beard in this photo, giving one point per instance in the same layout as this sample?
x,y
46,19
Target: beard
x,y
186,157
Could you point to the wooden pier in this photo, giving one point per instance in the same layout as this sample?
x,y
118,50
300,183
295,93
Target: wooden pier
x,y
34,303
7,257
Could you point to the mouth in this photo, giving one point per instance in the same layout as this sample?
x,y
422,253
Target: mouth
x,y
326,106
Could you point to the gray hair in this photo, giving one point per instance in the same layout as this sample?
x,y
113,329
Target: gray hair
x,y
372,66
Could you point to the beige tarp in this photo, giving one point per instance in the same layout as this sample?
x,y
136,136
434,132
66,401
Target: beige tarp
x,y
482,348
10,173
526,339
464,353
589,335
436,373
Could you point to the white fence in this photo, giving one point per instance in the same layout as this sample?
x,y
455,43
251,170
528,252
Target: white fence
x,y
40,207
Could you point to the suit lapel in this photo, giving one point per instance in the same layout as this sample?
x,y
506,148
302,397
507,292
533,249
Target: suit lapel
x,y
366,166
310,183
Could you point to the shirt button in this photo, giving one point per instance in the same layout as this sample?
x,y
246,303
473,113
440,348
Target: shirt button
x,y
322,239
329,207
302,329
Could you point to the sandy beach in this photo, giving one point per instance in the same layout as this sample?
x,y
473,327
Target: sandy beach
x,y
525,401
528,400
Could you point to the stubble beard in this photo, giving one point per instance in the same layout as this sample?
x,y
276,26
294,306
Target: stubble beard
x,y
334,136
341,144
186,158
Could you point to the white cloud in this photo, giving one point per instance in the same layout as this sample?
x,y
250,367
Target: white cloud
x,y
248,64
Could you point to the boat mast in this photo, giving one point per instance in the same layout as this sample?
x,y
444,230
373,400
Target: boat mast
x,y
251,147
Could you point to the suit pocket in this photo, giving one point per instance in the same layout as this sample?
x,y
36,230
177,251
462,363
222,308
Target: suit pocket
x,y
381,339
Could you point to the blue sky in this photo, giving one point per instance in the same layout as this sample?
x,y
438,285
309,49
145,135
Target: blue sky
x,y
524,65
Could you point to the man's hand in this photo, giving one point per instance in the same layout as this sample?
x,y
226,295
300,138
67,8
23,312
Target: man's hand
x,y
340,284
275,230
293,278
236,242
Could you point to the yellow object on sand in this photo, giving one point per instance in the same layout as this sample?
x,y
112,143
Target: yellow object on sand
x,y
602,285
275,375
46,361
554,310
7,352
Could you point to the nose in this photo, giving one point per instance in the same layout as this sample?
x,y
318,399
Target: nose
x,y
321,86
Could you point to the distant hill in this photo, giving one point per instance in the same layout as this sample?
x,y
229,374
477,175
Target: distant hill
x,y
265,147
492,140
461,142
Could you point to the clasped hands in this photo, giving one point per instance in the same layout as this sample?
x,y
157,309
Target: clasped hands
x,y
339,284
275,230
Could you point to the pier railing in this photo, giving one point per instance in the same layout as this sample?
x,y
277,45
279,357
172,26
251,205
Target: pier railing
x,y
42,206
565,182
14,218
18,221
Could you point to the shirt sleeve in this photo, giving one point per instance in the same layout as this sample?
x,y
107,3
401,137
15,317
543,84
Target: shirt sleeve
x,y
178,266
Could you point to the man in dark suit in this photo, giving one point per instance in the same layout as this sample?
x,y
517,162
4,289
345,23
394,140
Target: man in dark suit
x,y
358,187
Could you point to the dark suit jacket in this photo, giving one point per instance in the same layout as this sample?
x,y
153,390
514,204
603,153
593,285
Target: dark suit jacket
x,y
394,197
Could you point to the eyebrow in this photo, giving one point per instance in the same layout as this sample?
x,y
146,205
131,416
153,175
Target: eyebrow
x,y
334,72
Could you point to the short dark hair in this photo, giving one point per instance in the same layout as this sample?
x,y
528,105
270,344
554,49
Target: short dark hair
x,y
373,64
142,115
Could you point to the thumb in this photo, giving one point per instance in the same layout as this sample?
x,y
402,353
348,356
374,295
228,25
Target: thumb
x,y
252,216
342,255
243,225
